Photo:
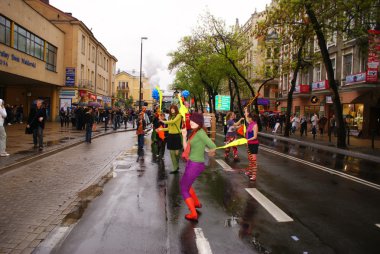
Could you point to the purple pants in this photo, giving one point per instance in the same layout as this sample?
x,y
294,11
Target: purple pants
x,y
192,171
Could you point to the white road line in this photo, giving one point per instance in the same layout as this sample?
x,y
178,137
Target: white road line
x,y
377,225
224,165
331,171
276,212
202,243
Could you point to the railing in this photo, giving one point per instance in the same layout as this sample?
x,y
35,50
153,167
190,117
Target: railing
x,y
84,83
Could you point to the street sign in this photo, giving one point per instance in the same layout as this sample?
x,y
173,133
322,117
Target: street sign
x,y
70,76
222,102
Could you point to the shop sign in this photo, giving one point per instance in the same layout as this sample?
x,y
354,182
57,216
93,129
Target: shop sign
x,y
356,78
70,76
92,96
373,56
302,89
329,99
320,85
262,101
67,94
222,102
5,57
106,99
82,93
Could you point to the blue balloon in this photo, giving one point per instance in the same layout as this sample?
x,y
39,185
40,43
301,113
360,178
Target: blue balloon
x,y
155,94
185,94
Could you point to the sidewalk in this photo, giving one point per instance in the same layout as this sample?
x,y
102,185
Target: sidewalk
x,y
56,138
358,147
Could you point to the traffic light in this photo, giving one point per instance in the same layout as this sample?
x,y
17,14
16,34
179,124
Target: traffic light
x,y
314,99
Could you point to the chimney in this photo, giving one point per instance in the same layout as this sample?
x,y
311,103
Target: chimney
x,y
46,1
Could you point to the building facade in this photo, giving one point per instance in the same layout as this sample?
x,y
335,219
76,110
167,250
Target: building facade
x,y
359,91
89,68
128,85
31,57
261,61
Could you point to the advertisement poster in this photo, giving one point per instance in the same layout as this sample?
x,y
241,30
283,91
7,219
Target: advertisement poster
x,y
373,56
70,76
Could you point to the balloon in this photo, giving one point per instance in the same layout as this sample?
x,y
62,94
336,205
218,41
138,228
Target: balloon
x,y
155,94
185,94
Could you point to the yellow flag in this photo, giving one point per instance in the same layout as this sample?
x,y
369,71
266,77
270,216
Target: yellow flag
x,y
182,109
160,94
238,142
244,129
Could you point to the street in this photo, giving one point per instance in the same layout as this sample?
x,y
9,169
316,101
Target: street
x,y
314,210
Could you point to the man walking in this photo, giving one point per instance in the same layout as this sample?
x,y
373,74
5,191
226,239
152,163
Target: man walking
x,y
36,121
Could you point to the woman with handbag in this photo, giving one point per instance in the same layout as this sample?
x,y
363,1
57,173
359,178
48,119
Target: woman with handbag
x,y
173,140
194,154
3,134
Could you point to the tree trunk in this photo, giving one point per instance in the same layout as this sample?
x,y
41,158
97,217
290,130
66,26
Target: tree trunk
x,y
341,131
238,97
195,103
232,94
293,86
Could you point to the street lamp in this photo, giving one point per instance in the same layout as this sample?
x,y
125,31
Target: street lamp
x,y
142,38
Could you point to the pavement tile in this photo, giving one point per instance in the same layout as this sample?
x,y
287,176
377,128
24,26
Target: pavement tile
x,y
24,244
15,251
35,243
27,251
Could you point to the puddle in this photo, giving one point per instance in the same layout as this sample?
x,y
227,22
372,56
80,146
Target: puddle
x,y
86,196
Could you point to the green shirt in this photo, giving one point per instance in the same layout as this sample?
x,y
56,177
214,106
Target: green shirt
x,y
198,144
174,125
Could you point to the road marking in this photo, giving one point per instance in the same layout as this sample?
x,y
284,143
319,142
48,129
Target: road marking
x,y
224,165
202,243
276,212
331,171
377,225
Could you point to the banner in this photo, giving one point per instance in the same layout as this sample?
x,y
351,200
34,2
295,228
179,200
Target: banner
x,y
373,56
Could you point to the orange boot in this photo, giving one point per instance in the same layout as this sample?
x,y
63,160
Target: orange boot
x,y
197,204
193,213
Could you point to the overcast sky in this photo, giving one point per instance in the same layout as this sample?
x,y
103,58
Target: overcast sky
x,y
119,25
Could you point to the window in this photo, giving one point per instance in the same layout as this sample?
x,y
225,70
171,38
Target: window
x,y
28,43
51,57
347,65
93,54
89,51
317,72
5,31
333,63
269,52
316,46
83,44
82,73
285,82
305,78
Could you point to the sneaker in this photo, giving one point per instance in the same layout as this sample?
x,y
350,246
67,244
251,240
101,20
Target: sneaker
x,y
5,154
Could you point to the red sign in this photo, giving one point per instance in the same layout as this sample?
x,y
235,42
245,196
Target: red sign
x,y
302,89
92,96
373,56
82,93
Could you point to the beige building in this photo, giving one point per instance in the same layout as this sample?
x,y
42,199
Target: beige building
x,y
89,67
127,84
261,62
31,57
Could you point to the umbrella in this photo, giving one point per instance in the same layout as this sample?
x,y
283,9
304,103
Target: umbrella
x,y
82,104
94,104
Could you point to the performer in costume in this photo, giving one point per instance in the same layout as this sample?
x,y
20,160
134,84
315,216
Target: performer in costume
x,y
196,143
173,140
252,144
232,135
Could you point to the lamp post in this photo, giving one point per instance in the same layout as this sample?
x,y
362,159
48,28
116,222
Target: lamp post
x,y
142,38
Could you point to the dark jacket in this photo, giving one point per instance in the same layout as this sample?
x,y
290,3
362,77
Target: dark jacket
x,y
88,119
34,115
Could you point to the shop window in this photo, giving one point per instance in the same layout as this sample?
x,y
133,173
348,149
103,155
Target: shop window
x,y
51,57
5,31
353,115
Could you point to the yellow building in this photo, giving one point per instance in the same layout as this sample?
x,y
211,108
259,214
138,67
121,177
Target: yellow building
x,y
31,56
127,84
89,68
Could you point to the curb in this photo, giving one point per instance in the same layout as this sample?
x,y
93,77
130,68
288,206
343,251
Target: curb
x,y
325,148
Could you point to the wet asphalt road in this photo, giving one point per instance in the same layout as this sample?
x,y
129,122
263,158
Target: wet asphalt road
x,y
141,210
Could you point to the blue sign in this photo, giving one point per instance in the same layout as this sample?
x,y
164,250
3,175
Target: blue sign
x,y
70,76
